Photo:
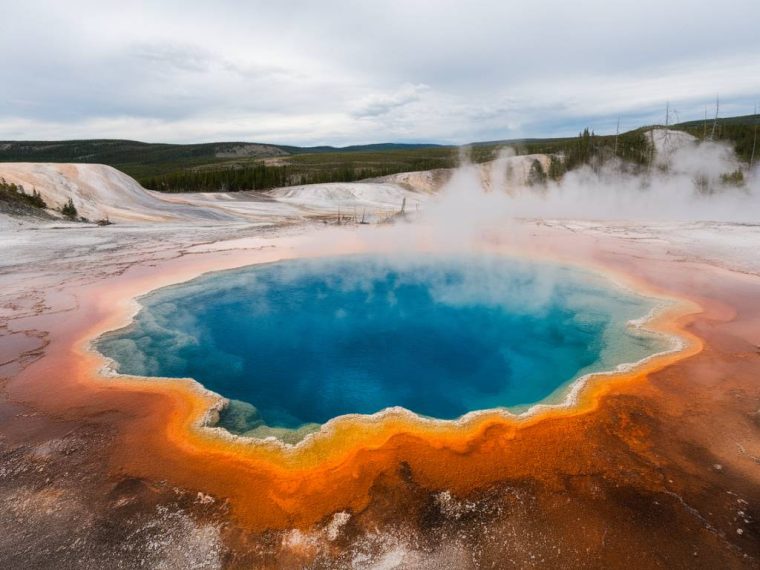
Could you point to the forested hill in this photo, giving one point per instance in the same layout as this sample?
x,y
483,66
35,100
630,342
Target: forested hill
x,y
141,160
232,166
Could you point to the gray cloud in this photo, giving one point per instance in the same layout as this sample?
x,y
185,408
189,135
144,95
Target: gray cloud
x,y
346,72
378,104
173,57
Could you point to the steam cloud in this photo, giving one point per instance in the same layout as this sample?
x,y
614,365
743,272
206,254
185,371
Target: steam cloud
x,y
686,182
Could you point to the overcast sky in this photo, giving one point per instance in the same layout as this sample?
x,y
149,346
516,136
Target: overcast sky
x,y
328,72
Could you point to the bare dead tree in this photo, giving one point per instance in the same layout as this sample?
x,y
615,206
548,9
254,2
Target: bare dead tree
x,y
666,134
754,142
715,122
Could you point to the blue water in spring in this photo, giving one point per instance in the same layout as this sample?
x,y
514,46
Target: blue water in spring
x,y
300,342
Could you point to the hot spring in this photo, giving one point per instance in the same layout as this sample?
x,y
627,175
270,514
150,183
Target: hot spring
x,y
295,343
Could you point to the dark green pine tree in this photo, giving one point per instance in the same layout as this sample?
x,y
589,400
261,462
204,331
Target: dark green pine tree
x,y
69,210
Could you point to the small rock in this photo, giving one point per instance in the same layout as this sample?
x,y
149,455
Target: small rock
x,y
204,499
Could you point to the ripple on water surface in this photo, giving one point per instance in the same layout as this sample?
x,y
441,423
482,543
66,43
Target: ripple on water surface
x,y
296,343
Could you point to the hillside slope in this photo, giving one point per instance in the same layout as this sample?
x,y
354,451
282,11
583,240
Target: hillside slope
x,y
99,192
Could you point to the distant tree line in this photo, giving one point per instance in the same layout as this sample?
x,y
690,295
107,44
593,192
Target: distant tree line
x,y
258,177
262,176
